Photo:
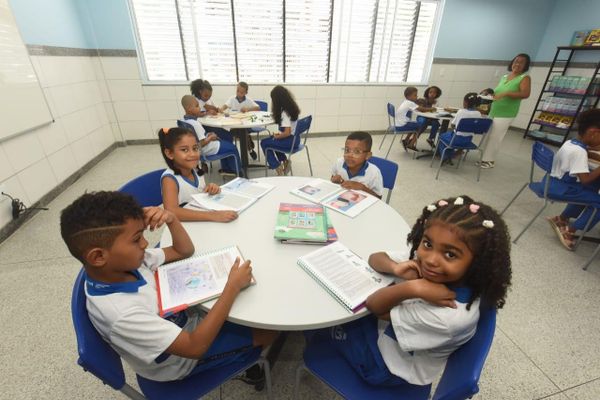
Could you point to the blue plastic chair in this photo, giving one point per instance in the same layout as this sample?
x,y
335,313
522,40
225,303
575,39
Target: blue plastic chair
x,y
477,126
389,170
97,357
300,134
145,189
459,380
214,157
542,156
392,128
263,107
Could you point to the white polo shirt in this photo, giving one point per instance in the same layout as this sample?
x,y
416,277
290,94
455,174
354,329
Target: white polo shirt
x,y
126,316
420,337
186,187
464,113
570,159
235,105
369,175
402,109
286,122
211,147
202,103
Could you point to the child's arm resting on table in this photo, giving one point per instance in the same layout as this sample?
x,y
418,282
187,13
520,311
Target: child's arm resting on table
x,y
358,186
182,247
171,203
407,270
194,344
383,300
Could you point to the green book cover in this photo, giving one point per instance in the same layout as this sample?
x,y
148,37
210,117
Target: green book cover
x,y
301,223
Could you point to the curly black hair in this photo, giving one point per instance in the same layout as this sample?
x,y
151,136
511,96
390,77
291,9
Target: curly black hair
x,y
282,100
489,275
84,223
198,85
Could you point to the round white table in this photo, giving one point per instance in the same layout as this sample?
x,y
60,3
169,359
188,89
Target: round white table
x,y
285,297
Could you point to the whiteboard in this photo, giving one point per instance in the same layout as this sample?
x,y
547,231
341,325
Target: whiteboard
x,y
22,102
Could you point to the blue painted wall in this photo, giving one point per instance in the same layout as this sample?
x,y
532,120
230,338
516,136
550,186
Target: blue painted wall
x,y
109,19
492,29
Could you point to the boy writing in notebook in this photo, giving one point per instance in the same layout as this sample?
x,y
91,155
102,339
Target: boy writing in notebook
x,y
354,171
104,230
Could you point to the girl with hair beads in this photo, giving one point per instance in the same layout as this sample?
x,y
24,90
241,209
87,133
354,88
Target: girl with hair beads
x,y
181,150
469,110
459,262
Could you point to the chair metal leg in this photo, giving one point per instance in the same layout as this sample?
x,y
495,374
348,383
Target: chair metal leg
x,y
589,260
585,229
389,195
267,368
531,222
309,163
299,369
132,393
384,135
441,161
513,199
479,169
391,144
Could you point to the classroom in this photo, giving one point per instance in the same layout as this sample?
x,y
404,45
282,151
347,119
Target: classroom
x,y
88,87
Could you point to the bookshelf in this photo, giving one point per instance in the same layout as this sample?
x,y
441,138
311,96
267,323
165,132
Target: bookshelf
x,y
564,95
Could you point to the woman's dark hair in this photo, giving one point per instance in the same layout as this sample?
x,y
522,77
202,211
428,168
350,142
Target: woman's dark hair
x,y
437,89
527,61
489,274
168,138
198,85
472,100
282,100
588,119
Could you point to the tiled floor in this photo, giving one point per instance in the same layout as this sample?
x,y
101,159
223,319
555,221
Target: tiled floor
x,y
547,338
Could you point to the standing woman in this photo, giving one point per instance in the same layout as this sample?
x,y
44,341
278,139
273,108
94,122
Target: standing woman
x,y
511,89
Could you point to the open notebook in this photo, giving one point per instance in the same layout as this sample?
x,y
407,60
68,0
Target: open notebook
x,y
236,195
194,280
344,275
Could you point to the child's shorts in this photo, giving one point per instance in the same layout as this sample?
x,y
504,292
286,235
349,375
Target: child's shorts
x,y
232,344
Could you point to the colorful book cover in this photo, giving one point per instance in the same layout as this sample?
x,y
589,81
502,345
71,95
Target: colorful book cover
x,y
579,38
593,39
301,222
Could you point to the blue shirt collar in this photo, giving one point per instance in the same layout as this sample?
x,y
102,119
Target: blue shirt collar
x,y
579,143
194,183
242,100
97,288
361,171
188,116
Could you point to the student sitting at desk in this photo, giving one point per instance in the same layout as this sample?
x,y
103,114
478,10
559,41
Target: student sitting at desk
x,y
104,231
571,179
469,110
181,150
429,100
210,143
402,120
354,171
202,91
242,103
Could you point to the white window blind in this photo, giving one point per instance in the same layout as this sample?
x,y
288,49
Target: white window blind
x,y
268,41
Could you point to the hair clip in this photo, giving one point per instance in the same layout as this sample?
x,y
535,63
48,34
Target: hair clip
x,y
459,201
442,203
488,224
431,208
474,208
166,130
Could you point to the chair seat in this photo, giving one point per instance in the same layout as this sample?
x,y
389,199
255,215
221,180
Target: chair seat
x,y
198,385
259,129
470,146
327,364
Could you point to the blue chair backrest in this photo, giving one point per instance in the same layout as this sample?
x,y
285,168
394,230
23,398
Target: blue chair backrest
x,y
542,156
389,170
145,188
95,355
391,109
263,105
477,126
186,125
303,125
464,366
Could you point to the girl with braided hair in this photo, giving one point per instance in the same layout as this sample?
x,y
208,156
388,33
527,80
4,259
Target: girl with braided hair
x,y
459,262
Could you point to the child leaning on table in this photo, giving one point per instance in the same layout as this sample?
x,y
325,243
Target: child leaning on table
x,y
104,230
354,171
202,91
402,120
241,102
469,110
459,262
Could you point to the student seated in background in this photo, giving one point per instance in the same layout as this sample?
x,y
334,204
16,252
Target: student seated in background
x,y
105,231
573,180
181,150
402,120
242,103
429,100
210,143
469,110
354,171
485,104
202,91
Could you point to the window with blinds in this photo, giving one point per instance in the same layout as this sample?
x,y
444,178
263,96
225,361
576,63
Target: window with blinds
x,y
290,41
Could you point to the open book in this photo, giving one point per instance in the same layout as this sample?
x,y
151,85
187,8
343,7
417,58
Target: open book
x,y
236,195
301,223
347,277
194,280
347,201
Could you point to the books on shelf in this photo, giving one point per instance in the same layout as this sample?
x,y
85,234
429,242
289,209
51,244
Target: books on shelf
x,y
593,38
301,223
194,280
579,37
236,195
344,275
346,201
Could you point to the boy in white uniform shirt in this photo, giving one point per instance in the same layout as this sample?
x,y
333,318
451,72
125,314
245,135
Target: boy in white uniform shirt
x,y
242,103
403,121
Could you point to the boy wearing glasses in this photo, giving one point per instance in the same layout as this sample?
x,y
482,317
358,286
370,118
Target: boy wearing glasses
x,y
353,171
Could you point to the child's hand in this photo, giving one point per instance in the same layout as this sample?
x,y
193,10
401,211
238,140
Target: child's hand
x,y
244,109
407,270
211,112
155,217
353,185
212,188
240,276
212,136
223,216
337,179
434,293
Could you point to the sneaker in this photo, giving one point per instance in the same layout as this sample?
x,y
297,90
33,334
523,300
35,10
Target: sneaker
x,y
253,154
279,170
255,376
487,164
287,166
